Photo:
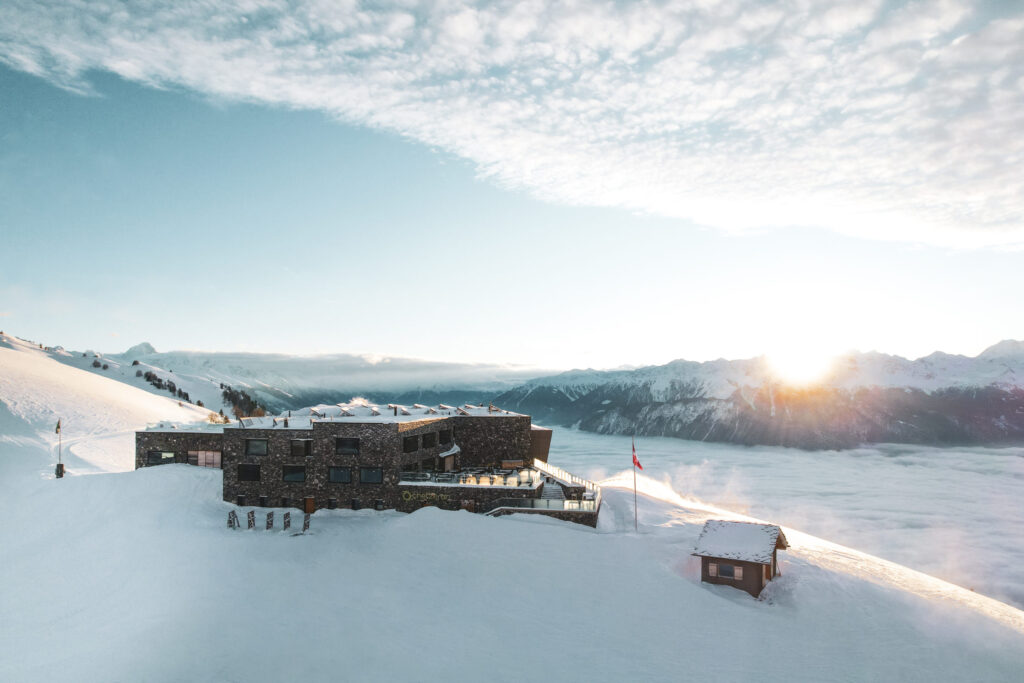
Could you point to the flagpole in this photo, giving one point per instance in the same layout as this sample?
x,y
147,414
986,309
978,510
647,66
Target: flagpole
x,y
636,525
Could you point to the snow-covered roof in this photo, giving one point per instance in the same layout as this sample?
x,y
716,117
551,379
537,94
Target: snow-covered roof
x,y
744,541
349,412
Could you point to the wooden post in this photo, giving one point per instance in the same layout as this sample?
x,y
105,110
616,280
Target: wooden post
x,y
252,519
305,523
287,521
270,520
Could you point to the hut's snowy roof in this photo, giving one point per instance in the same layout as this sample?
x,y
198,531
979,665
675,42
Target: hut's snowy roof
x,y
744,541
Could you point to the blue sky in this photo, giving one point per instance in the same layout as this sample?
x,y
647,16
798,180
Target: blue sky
x,y
477,184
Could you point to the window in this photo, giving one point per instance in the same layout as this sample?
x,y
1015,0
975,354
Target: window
x,y
159,457
728,571
371,475
346,446
294,473
445,435
302,448
410,444
429,440
204,458
339,475
248,473
255,446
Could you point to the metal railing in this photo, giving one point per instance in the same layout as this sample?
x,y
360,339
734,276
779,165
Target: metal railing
x,y
559,473
475,477
586,505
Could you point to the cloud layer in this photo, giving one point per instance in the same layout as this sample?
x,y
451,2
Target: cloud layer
x,y
892,121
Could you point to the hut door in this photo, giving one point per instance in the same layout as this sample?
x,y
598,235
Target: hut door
x,y
310,505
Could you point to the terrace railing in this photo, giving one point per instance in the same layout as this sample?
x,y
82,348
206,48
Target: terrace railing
x,y
559,473
586,505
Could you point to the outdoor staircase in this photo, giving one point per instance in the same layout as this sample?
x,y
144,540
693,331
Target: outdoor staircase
x,y
552,491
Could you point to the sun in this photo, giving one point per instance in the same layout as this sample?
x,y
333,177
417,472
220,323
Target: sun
x,y
800,365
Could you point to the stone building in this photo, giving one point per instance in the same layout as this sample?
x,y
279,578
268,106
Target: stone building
x,y
477,458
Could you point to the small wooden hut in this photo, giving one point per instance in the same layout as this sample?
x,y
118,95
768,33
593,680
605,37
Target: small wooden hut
x,y
739,554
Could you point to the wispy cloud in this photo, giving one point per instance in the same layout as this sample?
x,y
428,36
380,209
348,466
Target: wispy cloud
x,y
887,121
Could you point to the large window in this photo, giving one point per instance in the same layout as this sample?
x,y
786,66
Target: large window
x,y
302,448
410,444
204,458
445,435
371,475
339,475
429,440
255,446
159,457
294,473
346,446
248,473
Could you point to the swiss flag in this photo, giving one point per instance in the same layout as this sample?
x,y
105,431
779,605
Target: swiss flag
x,y
636,463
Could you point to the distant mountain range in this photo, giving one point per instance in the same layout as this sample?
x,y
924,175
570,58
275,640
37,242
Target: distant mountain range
x,y
280,381
940,399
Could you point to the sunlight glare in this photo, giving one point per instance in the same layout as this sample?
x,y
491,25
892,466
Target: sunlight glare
x,y
796,365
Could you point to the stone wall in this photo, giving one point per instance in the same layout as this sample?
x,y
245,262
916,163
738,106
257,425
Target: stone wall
x,y
577,517
473,498
380,445
483,441
488,440
180,443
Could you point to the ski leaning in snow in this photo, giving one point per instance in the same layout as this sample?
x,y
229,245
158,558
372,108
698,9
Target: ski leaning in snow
x,y
636,464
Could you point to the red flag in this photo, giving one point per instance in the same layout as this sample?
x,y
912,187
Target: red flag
x,y
636,463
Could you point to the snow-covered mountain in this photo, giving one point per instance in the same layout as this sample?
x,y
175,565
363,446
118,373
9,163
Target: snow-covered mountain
x,y
90,563
940,399
281,382
866,397
99,411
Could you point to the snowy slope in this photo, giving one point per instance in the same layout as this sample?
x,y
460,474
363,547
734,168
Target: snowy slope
x,y
98,414
133,576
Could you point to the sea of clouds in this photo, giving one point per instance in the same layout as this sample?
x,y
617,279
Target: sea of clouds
x,y
954,513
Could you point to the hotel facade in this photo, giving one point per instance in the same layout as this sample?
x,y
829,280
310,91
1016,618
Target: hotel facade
x,y
477,458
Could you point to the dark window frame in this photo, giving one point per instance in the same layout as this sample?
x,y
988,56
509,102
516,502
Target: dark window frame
x,y
351,445
295,469
444,437
248,466
406,441
306,449
249,451
162,459
431,437
364,470
330,474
